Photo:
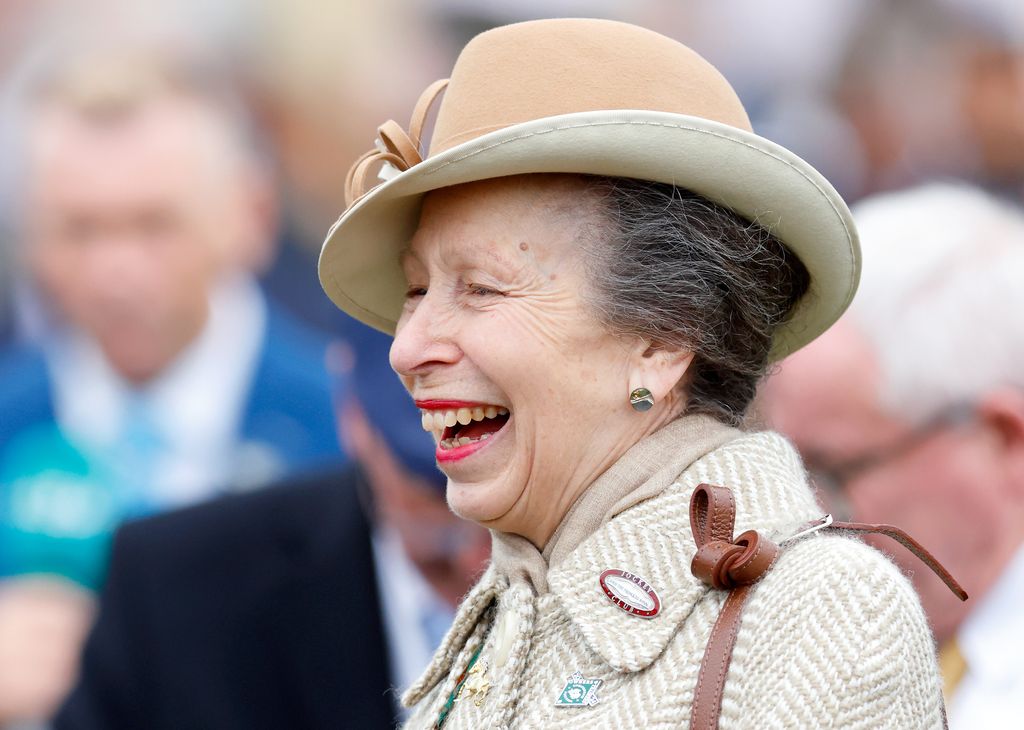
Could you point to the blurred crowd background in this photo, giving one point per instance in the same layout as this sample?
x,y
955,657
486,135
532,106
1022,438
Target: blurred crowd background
x,y
168,171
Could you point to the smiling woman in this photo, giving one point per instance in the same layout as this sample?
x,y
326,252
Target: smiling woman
x,y
586,276
556,369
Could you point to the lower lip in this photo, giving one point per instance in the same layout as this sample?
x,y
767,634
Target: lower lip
x,y
461,452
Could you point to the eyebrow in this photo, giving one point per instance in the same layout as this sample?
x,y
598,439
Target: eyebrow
x,y
405,256
508,264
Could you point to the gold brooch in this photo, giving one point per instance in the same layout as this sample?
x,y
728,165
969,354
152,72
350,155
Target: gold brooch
x,y
477,684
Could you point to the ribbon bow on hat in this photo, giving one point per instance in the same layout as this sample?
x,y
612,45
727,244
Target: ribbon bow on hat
x,y
395,148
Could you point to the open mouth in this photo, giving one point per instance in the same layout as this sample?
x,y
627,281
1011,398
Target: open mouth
x,y
458,424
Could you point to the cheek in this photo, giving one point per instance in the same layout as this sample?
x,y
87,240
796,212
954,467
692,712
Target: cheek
x,y
184,273
560,388
55,267
941,497
946,502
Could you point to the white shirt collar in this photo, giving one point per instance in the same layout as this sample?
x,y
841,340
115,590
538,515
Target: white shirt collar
x,y
196,403
991,639
405,598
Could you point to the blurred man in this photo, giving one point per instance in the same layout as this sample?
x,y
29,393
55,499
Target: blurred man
x,y
144,211
164,376
288,608
911,412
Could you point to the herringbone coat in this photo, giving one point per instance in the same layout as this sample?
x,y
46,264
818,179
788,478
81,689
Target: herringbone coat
x,y
832,637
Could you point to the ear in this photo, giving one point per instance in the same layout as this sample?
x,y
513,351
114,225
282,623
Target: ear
x,y
1002,410
659,368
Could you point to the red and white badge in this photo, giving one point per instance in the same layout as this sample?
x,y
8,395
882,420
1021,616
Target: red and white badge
x,y
631,593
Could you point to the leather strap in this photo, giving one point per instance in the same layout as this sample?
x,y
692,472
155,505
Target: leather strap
x,y
735,565
895,533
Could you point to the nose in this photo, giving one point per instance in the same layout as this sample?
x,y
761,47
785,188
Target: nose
x,y
424,339
118,271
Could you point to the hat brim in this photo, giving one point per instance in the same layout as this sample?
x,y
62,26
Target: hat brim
x,y
758,179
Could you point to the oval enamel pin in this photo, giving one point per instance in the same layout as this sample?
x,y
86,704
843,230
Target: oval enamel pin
x,y
631,593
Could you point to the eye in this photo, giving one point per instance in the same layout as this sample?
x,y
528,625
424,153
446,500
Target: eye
x,y
414,292
481,291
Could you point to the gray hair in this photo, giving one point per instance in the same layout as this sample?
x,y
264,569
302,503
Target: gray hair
x,y
680,270
941,295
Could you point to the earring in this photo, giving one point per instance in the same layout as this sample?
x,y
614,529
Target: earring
x,y
641,399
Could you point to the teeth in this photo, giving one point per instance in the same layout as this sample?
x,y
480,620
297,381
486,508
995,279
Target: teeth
x,y
439,420
461,441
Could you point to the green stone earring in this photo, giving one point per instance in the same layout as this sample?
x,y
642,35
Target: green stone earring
x,y
641,399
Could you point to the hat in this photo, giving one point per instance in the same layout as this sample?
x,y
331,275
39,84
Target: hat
x,y
593,97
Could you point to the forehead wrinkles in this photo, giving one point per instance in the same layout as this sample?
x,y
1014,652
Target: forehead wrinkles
x,y
507,225
448,249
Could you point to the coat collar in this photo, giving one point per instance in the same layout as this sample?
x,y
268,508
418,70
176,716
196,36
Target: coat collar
x,y
643,472
648,535
653,540
470,612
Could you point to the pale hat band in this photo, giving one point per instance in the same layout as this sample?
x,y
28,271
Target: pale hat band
x,y
591,97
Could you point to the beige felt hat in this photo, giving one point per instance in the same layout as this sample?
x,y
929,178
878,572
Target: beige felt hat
x,y
596,97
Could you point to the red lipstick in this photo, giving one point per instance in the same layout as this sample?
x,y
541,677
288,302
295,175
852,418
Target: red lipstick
x,y
444,405
460,452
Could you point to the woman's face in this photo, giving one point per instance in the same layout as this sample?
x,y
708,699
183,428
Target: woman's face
x,y
495,324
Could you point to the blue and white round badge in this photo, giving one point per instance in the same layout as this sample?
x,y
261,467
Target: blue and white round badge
x,y
631,593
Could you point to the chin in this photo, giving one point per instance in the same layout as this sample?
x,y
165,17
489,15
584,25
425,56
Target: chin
x,y
476,502
134,368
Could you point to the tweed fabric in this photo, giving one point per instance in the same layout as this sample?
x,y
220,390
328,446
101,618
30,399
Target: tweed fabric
x,y
833,637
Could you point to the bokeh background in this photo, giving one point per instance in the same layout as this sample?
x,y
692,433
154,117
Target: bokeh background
x,y
879,95
875,93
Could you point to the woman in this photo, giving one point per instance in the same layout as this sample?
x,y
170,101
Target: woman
x,y
586,276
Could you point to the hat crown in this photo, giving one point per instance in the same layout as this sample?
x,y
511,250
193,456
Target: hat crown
x,y
544,68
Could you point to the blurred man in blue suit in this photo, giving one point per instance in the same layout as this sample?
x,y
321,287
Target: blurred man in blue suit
x,y
161,375
305,606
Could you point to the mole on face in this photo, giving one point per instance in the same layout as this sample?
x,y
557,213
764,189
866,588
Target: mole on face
x,y
524,246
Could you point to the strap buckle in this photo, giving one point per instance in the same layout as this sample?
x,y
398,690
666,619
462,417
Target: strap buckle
x,y
820,524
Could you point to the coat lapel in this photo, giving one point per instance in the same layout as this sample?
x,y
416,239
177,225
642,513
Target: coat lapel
x,y
478,600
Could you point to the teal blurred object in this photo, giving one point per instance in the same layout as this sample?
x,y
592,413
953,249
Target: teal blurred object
x,y
59,506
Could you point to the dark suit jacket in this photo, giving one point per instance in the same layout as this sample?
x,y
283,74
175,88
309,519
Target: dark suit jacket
x,y
250,612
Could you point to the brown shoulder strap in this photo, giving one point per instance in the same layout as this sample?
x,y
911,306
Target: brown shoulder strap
x,y
725,563
895,533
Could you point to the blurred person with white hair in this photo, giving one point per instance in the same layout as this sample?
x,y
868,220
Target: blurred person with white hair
x,y
163,375
911,411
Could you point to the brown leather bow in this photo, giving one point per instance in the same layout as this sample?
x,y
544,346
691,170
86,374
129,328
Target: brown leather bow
x,y
735,565
721,561
394,146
